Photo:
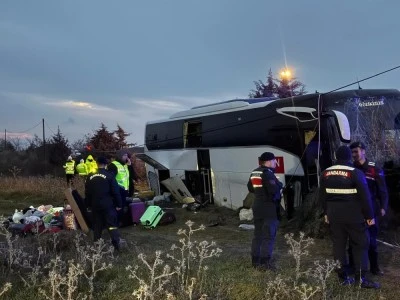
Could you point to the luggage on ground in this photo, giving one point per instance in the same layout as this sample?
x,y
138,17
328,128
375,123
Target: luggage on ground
x,y
137,210
151,216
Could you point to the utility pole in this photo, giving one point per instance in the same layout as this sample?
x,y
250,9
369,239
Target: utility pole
x,y
5,139
44,147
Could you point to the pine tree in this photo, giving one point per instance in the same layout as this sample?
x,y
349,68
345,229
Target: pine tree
x,y
120,136
58,149
281,88
103,140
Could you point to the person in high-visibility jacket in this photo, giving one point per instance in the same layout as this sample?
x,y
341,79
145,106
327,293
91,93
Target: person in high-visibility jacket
x,y
69,169
81,168
91,164
119,168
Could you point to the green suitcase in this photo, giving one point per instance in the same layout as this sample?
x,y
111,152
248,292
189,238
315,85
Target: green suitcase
x,y
151,216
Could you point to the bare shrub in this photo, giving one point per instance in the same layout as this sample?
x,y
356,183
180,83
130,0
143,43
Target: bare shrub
x,y
322,272
298,249
14,170
189,268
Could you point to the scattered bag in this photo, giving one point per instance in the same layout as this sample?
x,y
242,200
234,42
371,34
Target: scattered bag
x,y
246,226
17,216
246,214
69,220
167,218
193,206
31,220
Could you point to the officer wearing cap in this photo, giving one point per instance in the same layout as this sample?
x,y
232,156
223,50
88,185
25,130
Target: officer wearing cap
x,y
267,190
348,210
103,197
379,196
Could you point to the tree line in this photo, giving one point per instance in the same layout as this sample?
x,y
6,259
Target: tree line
x,y
33,156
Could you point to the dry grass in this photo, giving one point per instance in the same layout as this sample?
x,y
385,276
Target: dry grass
x,y
85,270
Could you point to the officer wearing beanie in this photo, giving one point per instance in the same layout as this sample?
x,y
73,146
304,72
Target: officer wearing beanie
x,y
102,195
267,190
348,210
379,196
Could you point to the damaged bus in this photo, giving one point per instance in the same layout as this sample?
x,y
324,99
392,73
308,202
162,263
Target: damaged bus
x,y
213,148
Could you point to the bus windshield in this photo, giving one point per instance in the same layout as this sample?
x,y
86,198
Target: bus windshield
x,y
374,119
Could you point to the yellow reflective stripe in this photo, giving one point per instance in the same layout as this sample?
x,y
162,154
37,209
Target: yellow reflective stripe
x,y
341,191
112,228
69,167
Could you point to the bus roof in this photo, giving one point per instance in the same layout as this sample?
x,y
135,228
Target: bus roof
x,y
244,104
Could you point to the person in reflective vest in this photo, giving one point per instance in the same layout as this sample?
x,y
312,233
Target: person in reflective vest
x,y
348,210
119,168
91,164
81,168
69,170
103,197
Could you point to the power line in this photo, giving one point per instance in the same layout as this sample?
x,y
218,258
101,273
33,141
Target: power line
x,y
364,79
47,125
25,131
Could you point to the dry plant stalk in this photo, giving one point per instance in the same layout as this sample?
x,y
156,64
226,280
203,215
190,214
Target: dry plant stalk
x,y
5,288
306,291
297,250
322,272
189,253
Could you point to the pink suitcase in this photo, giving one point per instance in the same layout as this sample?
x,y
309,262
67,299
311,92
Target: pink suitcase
x,y
137,211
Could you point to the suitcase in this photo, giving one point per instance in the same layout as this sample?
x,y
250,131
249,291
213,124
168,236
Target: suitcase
x,y
137,210
151,216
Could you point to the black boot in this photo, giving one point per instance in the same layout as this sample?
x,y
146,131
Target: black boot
x,y
255,261
266,264
365,283
373,260
344,279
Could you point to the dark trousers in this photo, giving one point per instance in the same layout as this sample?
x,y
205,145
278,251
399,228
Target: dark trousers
x,y
372,250
264,239
358,237
124,194
69,178
106,219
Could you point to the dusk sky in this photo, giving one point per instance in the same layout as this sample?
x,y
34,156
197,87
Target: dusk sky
x,y
81,63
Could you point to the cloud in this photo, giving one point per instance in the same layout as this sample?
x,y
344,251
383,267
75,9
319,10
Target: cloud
x,y
16,135
159,104
81,105
78,116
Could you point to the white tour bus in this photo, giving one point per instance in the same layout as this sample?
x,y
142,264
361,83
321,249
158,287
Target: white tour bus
x,y
213,148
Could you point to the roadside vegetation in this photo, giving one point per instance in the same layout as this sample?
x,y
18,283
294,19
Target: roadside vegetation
x,y
185,260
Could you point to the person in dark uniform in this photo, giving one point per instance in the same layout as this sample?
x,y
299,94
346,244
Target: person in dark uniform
x,y
379,196
348,210
103,196
267,191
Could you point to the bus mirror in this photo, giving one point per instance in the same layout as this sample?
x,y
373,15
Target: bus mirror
x,y
342,124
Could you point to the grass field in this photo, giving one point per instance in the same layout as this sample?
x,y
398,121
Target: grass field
x,y
69,266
